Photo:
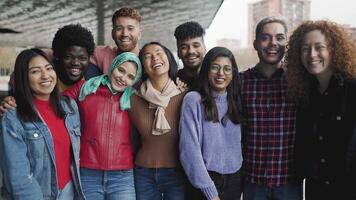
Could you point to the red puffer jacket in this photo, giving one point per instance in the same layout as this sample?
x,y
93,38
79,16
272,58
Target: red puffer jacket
x,y
105,140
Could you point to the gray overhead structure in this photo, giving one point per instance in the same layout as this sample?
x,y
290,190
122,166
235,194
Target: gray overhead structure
x,y
34,22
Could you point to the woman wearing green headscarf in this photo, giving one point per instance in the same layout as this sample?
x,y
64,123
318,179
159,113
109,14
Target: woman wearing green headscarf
x,y
106,156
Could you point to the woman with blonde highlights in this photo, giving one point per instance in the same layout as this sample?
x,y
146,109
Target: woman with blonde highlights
x,y
321,63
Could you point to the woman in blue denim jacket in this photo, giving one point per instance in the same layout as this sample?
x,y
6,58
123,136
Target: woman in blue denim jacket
x,y
40,139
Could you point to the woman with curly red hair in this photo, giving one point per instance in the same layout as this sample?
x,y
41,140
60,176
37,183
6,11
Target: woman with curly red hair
x,y
321,61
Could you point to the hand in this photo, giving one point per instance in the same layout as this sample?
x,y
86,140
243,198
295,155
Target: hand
x,y
181,85
217,198
8,102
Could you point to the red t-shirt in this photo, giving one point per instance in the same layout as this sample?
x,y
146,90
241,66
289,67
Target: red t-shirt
x,y
61,141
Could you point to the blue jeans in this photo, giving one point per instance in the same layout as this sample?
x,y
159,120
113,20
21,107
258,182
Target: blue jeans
x,y
160,183
291,191
108,185
67,192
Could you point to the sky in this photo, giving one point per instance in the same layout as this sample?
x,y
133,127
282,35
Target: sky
x,y
231,19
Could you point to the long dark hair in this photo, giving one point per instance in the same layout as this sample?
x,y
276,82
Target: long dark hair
x,y
206,92
173,66
22,91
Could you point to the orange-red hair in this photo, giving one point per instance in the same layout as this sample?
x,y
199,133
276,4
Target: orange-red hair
x,y
342,49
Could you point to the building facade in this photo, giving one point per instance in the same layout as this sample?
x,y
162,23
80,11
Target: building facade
x,y
351,30
293,11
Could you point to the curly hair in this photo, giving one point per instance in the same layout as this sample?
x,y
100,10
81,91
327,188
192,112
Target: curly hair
x,y
70,35
340,45
126,12
188,30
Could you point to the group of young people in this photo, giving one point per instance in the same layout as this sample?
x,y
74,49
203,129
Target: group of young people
x,y
105,122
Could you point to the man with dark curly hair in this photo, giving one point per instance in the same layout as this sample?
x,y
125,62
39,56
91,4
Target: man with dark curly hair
x,y
72,47
191,50
126,33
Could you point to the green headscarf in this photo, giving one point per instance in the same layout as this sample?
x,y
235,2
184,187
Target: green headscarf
x,y
91,85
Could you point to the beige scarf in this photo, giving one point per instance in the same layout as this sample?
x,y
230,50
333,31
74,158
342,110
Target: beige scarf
x,y
159,101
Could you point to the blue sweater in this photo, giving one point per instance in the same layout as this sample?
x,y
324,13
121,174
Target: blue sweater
x,y
207,146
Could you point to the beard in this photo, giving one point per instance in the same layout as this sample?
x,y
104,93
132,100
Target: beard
x,y
127,47
191,67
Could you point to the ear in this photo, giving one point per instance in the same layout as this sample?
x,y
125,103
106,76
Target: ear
x,y
203,43
139,32
255,45
113,34
204,47
179,54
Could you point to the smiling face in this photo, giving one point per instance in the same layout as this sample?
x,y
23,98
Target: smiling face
x,y
220,74
123,76
155,61
316,57
75,62
42,77
270,43
126,33
191,51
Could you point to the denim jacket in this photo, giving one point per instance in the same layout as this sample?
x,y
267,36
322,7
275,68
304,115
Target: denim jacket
x,y
28,158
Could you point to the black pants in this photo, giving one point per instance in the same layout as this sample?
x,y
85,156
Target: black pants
x,y
229,187
315,190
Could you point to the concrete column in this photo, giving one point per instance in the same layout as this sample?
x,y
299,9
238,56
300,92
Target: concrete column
x,y
100,22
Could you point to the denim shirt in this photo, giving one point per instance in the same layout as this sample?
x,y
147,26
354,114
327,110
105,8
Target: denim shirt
x,y
28,158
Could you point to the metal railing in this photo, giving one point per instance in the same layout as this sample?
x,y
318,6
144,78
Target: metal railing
x,y
5,71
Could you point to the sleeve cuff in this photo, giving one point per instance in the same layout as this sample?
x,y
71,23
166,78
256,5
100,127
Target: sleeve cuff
x,y
210,192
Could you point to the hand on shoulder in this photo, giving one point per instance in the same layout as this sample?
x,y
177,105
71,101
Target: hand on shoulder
x,y
8,102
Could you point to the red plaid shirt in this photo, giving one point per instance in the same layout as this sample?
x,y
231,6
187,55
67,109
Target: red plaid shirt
x,y
270,130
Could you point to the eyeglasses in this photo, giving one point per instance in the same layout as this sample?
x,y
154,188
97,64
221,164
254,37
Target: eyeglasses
x,y
227,69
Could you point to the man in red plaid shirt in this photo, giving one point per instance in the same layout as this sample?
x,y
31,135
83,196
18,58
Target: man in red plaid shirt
x,y
270,129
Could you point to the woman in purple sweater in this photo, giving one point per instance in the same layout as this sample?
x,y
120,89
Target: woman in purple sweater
x,y
210,132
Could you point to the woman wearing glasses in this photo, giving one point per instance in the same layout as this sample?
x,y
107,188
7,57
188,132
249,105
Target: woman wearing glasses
x,y
210,132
